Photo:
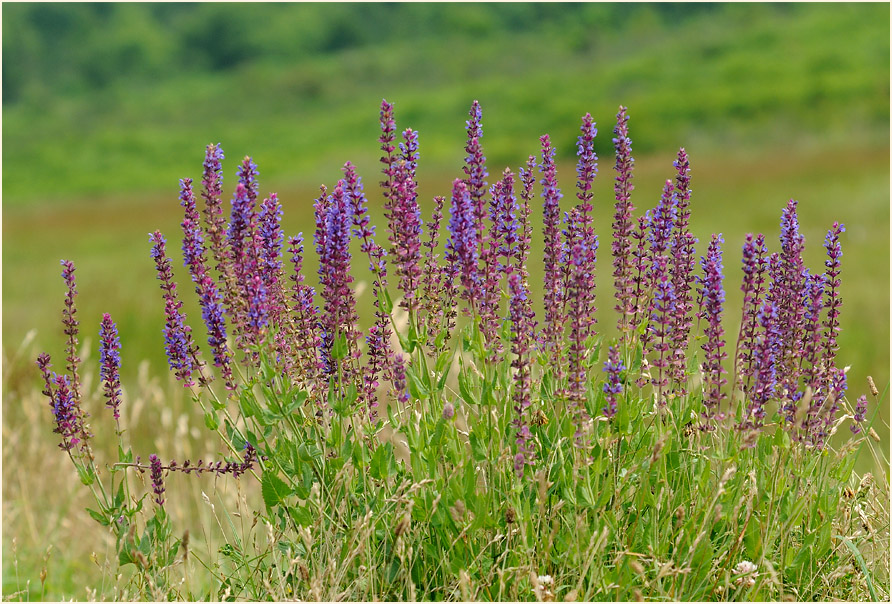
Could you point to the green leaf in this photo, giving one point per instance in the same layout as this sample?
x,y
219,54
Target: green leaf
x,y
466,386
864,570
86,474
273,489
380,464
416,388
437,436
98,517
339,347
125,456
210,420
385,301
295,402
301,514
478,449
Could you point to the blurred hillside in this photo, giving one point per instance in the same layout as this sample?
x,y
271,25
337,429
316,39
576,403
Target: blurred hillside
x,y
108,99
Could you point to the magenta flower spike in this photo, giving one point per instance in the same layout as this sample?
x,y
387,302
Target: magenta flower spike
x,y
623,259
110,364
713,299
525,227
764,360
404,223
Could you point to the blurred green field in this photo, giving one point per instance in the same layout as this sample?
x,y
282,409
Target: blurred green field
x,y
105,107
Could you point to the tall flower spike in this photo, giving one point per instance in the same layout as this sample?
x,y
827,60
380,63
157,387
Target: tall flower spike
x,y
613,386
521,338
70,322
432,277
404,222
306,315
461,247
623,225
764,358
178,344
682,270
339,317
208,296
525,237
387,138
834,301
754,267
713,296
110,364
789,284
554,295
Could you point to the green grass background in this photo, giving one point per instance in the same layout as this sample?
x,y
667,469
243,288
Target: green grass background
x,y
106,106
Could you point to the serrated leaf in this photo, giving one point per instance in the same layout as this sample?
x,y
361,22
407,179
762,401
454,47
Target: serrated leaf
x,y
273,489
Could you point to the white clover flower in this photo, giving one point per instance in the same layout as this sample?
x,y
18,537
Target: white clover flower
x,y
748,573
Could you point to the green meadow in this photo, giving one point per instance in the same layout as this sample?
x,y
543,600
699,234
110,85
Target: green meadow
x,y
106,107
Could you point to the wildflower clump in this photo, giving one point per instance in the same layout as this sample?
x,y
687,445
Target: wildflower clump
x,y
482,436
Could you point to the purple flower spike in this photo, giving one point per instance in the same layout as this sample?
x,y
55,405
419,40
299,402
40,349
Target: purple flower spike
x,y
663,308
764,359
271,240
110,364
461,247
157,479
613,367
713,299
525,226
755,265
521,340
388,136
208,296
586,166
834,301
858,418
622,224
178,344
404,224
503,211
554,295
306,314
398,362
579,295
339,316
70,322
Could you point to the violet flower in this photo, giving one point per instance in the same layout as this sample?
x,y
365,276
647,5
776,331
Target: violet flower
x,y
521,339
70,323
659,328
271,237
622,224
178,344
388,136
682,269
860,412
813,299
432,282
713,296
505,226
399,390
613,386
789,285
110,364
